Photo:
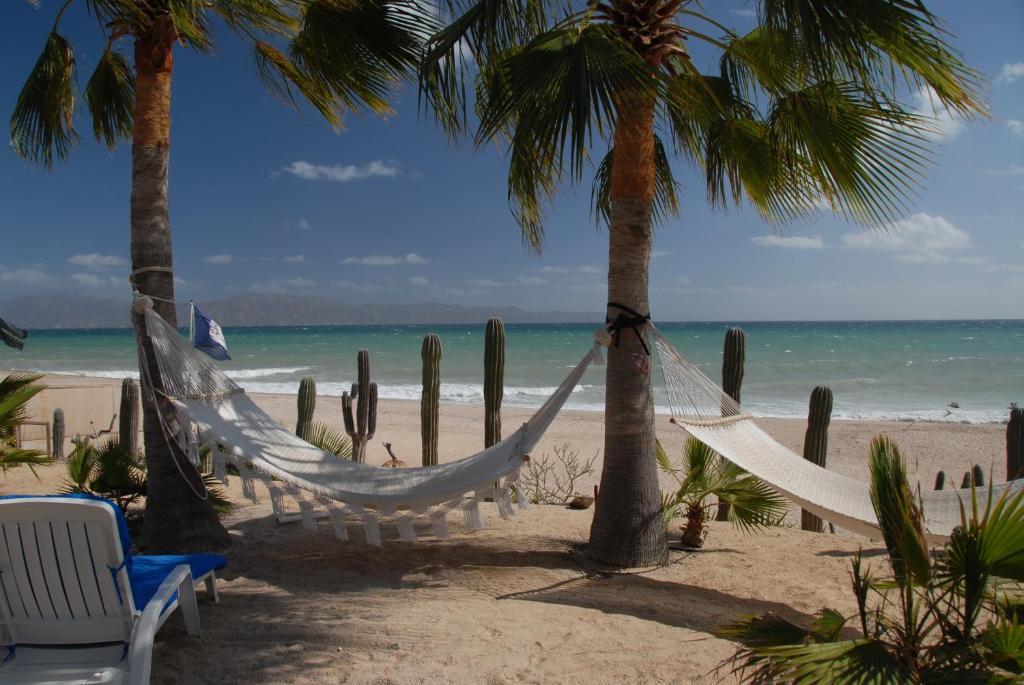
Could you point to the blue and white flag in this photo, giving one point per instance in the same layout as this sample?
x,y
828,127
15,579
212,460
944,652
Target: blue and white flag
x,y
207,336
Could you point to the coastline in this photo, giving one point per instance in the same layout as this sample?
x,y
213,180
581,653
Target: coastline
x,y
928,446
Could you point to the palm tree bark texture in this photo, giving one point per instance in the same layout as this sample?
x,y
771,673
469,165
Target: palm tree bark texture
x,y
175,520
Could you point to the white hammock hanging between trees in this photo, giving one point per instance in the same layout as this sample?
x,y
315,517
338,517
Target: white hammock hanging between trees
x,y
214,409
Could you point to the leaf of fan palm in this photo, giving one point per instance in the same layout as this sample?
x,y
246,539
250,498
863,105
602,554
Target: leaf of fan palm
x,y
110,95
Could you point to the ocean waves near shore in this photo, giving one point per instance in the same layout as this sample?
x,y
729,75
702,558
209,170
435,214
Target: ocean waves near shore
x,y
877,370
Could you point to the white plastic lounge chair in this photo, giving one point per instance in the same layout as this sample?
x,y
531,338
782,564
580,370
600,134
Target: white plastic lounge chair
x,y
76,606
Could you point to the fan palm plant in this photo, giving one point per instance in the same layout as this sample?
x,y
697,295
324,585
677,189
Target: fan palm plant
x,y
16,390
338,55
950,617
704,481
802,110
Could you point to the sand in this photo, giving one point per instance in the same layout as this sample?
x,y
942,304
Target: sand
x,y
516,602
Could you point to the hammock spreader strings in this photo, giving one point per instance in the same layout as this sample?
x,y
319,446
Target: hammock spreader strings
x,y
194,384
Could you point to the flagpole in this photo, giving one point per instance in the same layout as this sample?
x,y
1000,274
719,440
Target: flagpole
x,y
191,322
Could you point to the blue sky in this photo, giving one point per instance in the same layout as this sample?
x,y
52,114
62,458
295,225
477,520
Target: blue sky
x,y
266,199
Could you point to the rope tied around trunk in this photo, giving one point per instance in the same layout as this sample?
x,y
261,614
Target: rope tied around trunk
x,y
630,319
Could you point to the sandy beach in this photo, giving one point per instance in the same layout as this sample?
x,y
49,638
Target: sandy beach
x,y
516,602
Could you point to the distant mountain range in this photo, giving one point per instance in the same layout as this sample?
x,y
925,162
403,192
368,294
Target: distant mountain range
x,y
72,311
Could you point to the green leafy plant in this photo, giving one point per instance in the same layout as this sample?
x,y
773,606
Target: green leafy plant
x,y
950,617
110,470
703,477
16,390
329,440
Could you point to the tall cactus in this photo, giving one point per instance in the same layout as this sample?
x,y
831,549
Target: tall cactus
x,y
128,420
429,411
979,475
819,415
306,407
363,424
494,380
734,356
1015,444
58,433
940,480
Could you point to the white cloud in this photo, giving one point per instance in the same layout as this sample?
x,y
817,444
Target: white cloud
x,y
96,281
658,254
1005,171
295,259
749,14
1016,127
23,276
1011,71
219,259
792,242
343,173
945,125
566,270
387,260
298,282
356,285
975,261
97,261
485,283
921,238
299,223
419,281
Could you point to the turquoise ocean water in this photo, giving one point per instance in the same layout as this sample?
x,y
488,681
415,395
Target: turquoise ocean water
x,y
877,370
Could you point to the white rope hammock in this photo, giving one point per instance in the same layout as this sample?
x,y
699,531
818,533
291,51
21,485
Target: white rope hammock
x,y
706,412
213,410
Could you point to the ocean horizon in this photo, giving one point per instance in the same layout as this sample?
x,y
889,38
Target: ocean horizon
x,y
878,370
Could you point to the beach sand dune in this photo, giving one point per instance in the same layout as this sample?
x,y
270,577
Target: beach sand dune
x,y
516,602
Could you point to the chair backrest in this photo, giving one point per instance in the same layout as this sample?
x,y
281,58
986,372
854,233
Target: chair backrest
x,y
62,573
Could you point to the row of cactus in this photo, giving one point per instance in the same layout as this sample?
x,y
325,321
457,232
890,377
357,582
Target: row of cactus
x,y
819,415
494,380
734,356
430,353
360,421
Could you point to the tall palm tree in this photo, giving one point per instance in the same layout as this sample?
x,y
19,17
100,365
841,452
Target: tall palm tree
x,y
338,55
803,110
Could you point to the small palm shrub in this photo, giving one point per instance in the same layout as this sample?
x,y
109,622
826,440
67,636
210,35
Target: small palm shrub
x,y
111,470
705,477
15,392
955,616
329,439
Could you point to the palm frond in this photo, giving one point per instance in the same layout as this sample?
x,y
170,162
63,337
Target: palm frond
x,y
191,23
330,440
110,95
666,198
219,499
480,34
356,50
42,124
899,515
880,45
252,17
753,504
16,389
11,457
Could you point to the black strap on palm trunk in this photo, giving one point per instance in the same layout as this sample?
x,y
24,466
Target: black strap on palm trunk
x,y
628,318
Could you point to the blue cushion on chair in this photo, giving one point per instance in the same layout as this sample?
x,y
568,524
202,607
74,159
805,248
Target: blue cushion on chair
x,y
146,572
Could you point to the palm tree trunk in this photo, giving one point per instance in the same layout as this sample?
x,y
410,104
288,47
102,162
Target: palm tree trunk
x,y
628,529
176,519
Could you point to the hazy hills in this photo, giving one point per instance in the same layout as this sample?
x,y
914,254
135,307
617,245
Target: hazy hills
x,y
72,311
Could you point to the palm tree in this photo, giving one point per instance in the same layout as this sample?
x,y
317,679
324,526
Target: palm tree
x,y
705,481
339,55
15,392
803,110
951,617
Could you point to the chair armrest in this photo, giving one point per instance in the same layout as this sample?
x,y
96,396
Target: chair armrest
x,y
179,580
